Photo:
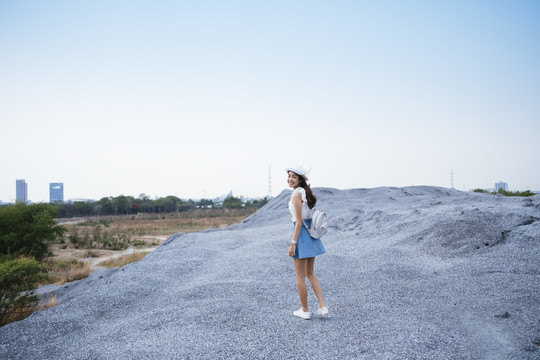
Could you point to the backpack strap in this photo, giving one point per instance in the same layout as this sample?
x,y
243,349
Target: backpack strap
x,y
303,222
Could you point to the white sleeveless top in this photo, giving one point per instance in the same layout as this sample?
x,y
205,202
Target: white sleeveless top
x,y
306,211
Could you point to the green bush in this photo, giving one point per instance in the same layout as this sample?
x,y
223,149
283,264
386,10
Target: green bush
x,y
232,203
506,193
515,193
104,222
18,279
99,238
27,230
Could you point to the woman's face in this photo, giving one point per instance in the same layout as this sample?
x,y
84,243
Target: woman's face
x,y
293,180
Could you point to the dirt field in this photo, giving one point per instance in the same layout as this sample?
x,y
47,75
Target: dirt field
x,y
96,241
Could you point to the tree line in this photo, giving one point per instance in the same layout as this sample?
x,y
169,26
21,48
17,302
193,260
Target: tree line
x,y
506,193
125,205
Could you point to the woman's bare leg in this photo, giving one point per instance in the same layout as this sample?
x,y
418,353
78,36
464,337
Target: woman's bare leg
x,y
300,266
314,281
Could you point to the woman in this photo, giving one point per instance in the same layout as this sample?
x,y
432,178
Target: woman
x,y
304,248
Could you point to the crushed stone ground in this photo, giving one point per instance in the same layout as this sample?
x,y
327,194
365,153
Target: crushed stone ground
x,y
410,273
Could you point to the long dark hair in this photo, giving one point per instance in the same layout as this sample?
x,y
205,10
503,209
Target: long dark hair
x,y
311,199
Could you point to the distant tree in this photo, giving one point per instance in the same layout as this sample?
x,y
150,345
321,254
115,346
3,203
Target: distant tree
x,y
507,193
186,205
167,204
204,203
82,208
65,210
122,204
515,193
144,204
107,207
232,203
96,209
143,197
480,191
136,206
148,206
257,203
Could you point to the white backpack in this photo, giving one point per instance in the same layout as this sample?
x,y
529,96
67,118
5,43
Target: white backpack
x,y
318,224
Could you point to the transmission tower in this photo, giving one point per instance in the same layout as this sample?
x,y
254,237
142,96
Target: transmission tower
x,y
270,181
451,178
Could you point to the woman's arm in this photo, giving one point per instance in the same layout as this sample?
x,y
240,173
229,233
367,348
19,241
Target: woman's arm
x,y
297,203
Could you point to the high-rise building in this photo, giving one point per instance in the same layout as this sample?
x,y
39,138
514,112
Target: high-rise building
x,y
56,192
501,185
21,191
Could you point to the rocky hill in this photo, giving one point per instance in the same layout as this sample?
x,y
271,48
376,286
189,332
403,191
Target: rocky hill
x,y
409,273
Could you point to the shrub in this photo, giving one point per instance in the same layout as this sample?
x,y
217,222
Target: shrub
x,y
98,238
104,222
79,241
66,270
27,230
506,193
516,193
18,280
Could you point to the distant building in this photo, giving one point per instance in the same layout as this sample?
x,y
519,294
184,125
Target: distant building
x,y
501,185
218,200
21,191
56,192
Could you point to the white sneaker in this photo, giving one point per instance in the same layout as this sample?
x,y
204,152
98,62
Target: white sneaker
x,y
323,311
301,314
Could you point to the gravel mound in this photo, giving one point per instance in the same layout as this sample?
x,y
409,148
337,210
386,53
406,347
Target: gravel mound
x,y
410,273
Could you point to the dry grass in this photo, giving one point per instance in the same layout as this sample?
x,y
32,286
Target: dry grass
x,y
123,260
50,303
168,224
189,221
62,270
145,230
142,230
22,312
18,313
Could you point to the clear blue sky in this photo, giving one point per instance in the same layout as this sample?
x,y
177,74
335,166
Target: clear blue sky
x,y
197,98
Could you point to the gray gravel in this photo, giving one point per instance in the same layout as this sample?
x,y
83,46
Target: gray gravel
x,y
409,273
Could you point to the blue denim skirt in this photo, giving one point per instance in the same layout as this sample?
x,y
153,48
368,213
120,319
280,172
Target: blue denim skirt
x,y
307,246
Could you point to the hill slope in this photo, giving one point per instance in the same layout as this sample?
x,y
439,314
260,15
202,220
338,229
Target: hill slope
x,y
417,272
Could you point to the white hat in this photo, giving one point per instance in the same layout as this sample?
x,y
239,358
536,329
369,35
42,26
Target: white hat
x,y
298,170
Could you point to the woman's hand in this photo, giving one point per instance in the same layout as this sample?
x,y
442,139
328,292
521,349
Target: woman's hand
x,y
292,249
